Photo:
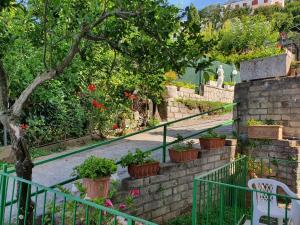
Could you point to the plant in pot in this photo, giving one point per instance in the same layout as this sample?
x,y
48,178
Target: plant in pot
x,y
170,77
183,152
212,140
140,164
95,173
267,129
229,85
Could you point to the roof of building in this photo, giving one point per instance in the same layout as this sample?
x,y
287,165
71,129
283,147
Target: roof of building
x,y
232,1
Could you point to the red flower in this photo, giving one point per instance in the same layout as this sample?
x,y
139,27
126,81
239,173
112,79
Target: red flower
x,y
97,104
122,206
135,193
115,126
24,126
126,93
108,203
132,97
92,87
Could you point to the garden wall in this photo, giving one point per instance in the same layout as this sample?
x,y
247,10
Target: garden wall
x,y
276,99
169,194
171,109
288,171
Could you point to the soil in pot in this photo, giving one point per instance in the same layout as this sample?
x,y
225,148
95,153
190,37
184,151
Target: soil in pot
x,y
96,188
183,156
146,170
211,143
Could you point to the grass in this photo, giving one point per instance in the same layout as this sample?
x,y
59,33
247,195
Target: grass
x,y
181,220
39,152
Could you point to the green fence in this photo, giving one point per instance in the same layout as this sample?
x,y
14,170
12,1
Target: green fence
x,y
45,206
221,196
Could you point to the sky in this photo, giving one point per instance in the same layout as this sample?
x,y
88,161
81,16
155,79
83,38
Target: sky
x,y
198,3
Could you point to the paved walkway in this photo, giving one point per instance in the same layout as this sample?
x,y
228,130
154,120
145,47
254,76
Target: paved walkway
x,y
59,170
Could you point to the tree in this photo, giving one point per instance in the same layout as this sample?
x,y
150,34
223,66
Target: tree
x,y
45,38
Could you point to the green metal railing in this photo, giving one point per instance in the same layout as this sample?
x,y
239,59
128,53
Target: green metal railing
x,y
221,196
52,207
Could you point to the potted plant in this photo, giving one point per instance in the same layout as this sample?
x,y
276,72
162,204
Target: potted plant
x,y
140,164
212,140
170,77
183,152
95,173
267,129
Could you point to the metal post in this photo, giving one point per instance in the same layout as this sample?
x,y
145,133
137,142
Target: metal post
x,y
3,195
165,143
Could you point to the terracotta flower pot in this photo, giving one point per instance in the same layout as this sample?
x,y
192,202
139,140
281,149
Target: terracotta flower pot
x,y
212,143
96,188
265,132
183,156
140,171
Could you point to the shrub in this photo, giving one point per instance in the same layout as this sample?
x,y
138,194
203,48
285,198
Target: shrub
x,y
253,122
137,158
229,83
184,84
170,77
153,122
94,167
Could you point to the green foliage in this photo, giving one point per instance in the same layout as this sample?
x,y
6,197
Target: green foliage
x,y
213,134
181,220
94,167
137,158
181,146
152,122
39,152
184,84
253,122
229,83
205,106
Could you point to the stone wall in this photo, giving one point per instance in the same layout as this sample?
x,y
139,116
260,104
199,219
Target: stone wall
x,y
174,110
169,194
287,171
276,99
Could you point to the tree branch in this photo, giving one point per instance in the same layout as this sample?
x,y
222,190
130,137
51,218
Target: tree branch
x,y
3,89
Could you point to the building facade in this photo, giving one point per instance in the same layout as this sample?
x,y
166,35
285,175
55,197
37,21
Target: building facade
x,y
234,4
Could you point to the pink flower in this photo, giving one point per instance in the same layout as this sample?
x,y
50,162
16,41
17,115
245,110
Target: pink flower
x,y
135,193
108,203
122,206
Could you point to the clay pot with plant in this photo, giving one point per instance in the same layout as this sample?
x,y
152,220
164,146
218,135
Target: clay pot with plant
x,y
95,173
140,164
264,129
212,140
183,152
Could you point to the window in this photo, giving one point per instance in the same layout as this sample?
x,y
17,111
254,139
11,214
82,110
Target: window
x,y
265,1
244,4
237,6
254,2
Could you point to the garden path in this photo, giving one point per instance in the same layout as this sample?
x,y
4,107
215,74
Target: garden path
x,y
59,170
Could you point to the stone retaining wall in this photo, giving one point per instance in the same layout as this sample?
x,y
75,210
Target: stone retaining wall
x,y
287,171
169,194
171,109
276,99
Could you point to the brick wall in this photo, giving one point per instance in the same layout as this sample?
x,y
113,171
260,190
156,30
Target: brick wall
x,y
276,99
169,194
171,109
287,171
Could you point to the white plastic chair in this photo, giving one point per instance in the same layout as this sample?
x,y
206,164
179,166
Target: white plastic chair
x,y
260,201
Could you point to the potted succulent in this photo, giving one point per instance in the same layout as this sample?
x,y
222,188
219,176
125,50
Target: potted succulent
x,y
95,173
140,164
267,129
212,140
183,152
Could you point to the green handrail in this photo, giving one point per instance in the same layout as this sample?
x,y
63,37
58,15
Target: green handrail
x,y
164,125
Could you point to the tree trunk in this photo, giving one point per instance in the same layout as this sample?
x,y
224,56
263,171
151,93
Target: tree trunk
x,y
23,167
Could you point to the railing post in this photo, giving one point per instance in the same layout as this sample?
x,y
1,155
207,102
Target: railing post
x,y
164,143
3,195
